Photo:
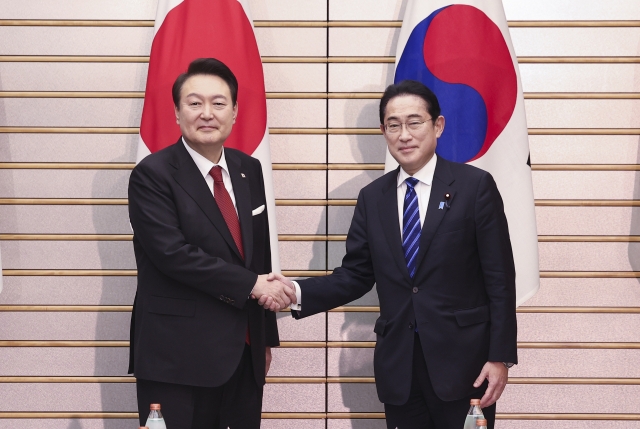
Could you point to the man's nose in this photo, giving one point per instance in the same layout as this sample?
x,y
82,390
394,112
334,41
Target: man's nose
x,y
207,111
404,133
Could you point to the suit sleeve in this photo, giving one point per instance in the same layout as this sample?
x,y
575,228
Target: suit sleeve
x,y
348,282
496,259
157,229
272,338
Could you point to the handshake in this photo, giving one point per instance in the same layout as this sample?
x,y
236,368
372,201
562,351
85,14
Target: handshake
x,y
274,291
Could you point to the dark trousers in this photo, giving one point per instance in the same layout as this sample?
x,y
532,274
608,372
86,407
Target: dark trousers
x,y
237,404
424,410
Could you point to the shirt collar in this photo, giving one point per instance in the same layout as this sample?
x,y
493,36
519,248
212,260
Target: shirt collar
x,y
424,175
203,164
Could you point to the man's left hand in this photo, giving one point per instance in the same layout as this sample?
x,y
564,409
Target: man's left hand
x,y
497,374
267,360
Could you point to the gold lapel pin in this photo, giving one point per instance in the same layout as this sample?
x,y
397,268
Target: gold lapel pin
x,y
243,176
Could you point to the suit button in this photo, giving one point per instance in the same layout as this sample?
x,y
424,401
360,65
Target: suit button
x,y
415,290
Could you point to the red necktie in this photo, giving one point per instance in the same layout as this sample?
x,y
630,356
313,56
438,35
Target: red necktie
x,y
223,199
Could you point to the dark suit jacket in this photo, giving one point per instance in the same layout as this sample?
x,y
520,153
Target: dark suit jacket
x,y
463,293
191,309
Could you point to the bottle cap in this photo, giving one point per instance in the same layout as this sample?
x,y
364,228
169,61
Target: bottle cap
x,y
475,402
155,406
481,422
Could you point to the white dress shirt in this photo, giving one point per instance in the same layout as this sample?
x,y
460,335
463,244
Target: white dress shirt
x,y
205,166
423,192
423,189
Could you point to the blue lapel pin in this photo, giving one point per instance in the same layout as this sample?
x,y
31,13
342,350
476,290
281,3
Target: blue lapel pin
x,y
441,206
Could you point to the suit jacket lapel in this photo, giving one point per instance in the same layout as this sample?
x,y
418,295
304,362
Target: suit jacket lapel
x,y
190,179
441,185
242,193
388,209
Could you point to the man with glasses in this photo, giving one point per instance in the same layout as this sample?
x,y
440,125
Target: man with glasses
x,y
433,236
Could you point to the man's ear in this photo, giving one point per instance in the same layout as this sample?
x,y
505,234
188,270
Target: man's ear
x,y
177,112
235,112
439,126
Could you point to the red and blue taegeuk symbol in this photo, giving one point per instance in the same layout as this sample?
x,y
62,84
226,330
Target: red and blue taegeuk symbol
x,y
461,55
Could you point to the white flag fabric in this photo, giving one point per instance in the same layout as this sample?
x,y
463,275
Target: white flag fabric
x,y
463,53
189,29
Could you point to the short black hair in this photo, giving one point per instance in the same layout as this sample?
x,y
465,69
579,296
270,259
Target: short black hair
x,y
410,87
206,66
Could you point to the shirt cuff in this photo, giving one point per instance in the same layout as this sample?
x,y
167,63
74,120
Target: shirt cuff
x,y
298,305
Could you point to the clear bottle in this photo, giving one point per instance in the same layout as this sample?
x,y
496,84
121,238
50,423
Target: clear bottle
x,y
481,424
155,419
475,412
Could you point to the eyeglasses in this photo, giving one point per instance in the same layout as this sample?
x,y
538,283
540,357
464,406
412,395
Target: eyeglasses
x,y
413,125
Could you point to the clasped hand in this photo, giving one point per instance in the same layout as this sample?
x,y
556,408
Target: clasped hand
x,y
274,291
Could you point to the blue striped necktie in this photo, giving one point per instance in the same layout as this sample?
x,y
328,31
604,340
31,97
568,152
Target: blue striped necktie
x,y
411,225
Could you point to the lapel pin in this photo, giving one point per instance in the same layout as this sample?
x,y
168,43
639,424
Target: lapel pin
x,y
441,206
243,176
447,200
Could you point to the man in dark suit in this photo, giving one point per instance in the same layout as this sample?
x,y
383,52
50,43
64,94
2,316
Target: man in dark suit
x,y
200,346
433,237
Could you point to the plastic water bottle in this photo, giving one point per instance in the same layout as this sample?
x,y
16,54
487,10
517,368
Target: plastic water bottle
x,y
475,413
481,424
155,420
